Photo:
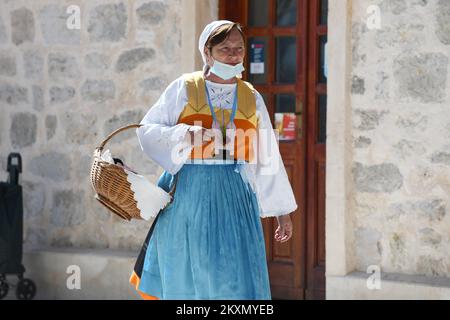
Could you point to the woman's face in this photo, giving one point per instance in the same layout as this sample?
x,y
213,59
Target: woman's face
x,y
230,51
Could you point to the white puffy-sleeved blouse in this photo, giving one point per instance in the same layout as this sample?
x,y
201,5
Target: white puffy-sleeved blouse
x,y
160,135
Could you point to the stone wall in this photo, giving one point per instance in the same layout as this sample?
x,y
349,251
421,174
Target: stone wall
x,y
400,97
62,91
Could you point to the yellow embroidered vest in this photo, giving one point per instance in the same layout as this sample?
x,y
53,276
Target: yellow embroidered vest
x,y
197,112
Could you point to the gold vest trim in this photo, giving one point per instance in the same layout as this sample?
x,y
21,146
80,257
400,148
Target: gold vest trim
x,y
197,102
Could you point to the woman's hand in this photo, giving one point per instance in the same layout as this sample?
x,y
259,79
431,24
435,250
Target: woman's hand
x,y
200,135
284,230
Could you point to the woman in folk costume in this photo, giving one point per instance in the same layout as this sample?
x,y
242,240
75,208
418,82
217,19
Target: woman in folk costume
x,y
212,134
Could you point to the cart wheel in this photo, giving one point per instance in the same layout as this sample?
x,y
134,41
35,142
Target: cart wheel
x,y
26,289
4,288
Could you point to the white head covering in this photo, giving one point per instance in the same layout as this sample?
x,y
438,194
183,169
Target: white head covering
x,y
205,35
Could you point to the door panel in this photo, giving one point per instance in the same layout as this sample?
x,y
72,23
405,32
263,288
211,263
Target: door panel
x,y
285,58
316,157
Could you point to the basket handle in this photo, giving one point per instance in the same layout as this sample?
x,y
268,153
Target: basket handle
x,y
116,132
172,190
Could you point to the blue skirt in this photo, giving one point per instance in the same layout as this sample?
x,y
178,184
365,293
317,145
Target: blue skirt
x,y
209,242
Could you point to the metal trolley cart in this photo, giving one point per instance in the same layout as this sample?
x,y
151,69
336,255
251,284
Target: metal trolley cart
x,y
11,230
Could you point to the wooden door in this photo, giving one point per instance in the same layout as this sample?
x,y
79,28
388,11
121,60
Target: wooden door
x,y
285,62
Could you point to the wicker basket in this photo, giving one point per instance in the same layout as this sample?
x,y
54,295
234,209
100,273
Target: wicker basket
x,y
111,185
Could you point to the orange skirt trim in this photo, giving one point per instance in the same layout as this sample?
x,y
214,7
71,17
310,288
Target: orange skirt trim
x,y
135,280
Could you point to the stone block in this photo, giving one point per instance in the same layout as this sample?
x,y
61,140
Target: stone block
x,y
98,90
129,60
385,178
55,166
108,23
422,77
22,26
151,13
13,94
7,65
67,208
53,20
23,129
62,66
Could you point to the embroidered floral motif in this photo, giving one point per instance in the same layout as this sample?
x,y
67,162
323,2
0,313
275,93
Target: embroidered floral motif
x,y
221,95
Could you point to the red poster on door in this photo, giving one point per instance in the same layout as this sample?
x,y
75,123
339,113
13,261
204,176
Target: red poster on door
x,y
285,123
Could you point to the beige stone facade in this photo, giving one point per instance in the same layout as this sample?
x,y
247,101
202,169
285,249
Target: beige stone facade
x,y
388,149
63,89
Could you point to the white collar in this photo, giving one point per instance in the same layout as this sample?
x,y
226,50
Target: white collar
x,y
223,85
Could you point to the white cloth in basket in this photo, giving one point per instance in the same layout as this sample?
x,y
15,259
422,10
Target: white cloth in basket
x,y
149,197
106,156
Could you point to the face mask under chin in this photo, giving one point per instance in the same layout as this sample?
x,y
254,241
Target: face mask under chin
x,y
226,71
